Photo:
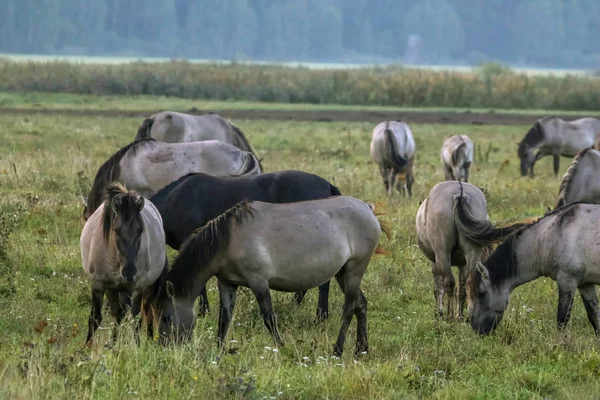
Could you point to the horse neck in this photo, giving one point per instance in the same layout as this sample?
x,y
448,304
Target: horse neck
x,y
526,256
188,278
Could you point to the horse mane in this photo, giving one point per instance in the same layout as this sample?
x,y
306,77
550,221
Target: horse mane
x,y
534,136
567,180
109,172
127,199
205,243
501,263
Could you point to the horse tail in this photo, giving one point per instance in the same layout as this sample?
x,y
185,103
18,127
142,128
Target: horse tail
x,y
565,184
392,150
143,131
459,152
596,145
245,144
334,190
480,231
250,166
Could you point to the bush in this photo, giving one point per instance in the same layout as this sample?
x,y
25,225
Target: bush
x,y
490,85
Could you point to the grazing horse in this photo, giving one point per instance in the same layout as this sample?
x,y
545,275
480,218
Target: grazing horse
x,y
175,127
393,149
581,182
286,247
457,157
562,245
147,166
123,251
185,206
556,137
447,242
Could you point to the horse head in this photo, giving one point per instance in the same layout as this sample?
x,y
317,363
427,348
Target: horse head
x,y
123,225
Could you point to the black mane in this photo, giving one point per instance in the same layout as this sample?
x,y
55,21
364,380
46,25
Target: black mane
x,y
109,172
502,263
204,244
534,136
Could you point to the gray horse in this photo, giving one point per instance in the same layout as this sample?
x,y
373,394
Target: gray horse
x,y
147,166
556,137
287,247
393,150
563,245
123,251
581,182
457,156
176,127
447,242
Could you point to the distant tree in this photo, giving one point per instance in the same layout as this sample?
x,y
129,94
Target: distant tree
x,y
325,35
539,31
438,24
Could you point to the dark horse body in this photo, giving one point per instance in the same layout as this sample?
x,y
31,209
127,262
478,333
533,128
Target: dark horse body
x,y
192,201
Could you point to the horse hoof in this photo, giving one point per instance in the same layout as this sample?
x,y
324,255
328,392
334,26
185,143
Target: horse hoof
x,y
322,315
337,352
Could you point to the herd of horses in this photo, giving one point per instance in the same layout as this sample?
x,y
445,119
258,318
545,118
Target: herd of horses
x,y
194,183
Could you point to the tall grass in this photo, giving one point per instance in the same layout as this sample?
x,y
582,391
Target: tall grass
x,y
487,87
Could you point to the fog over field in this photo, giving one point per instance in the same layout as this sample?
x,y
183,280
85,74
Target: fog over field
x,y
541,33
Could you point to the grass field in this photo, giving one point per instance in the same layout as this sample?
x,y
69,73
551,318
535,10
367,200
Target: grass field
x,y
58,101
45,300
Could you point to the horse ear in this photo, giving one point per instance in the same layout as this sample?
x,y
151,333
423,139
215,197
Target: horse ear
x,y
483,271
170,289
139,203
84,200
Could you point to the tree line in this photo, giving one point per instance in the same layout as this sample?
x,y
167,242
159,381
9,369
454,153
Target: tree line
x,y
533,32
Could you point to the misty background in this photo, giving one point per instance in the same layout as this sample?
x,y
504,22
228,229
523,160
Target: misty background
x,y
550,33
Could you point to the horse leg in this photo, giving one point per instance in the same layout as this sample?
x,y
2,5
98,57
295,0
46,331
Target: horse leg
x,y
556,164
438,290
203,307
590,301
95,318
299,296
466,174
409,182
384,174
227,296
565,302
136,307
350,286
263,298
117,310
360,310
462,290
448,173
444,267
323,304
539,155
391,181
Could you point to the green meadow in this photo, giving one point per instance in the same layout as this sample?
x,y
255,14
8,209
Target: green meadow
x,y
47,161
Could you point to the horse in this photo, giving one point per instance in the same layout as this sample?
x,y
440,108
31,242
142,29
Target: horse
x,y
457,157
185,207
123,251
561,245
581,182
286,247
176,127
556,137
147,165
447,242
393,150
